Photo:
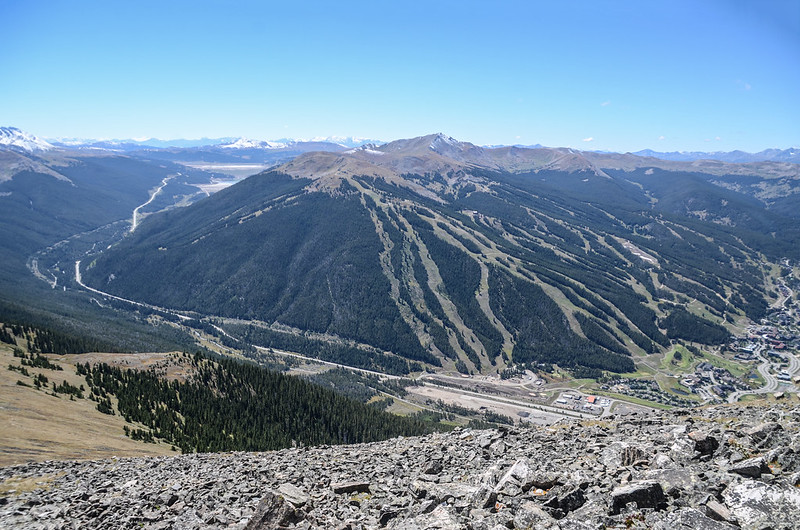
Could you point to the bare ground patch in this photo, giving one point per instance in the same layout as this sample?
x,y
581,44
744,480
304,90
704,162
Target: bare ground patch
x,y
479,404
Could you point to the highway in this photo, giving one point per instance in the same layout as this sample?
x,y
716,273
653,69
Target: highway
x,y
135,219
79,281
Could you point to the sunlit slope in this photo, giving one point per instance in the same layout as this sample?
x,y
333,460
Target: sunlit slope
x,y
463,263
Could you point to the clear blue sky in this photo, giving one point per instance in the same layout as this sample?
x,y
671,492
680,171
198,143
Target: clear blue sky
x,y
623,75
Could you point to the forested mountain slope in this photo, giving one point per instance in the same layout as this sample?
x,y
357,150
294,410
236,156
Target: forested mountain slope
x,y
444,253
57,205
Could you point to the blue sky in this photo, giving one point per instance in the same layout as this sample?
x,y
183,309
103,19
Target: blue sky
x,y
625,75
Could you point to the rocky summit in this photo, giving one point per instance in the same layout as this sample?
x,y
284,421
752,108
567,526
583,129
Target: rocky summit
x,y
734,466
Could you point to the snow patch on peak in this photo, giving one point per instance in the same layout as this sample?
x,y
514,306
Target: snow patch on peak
x,y
71,142
344,141
366,148
12,137
443,140
246,143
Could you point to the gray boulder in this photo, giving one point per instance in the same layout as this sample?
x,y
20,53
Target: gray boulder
x,y
704,443
529,516
273,512
442,518
646,494
293,494
757,505
752,467
690,519
357,486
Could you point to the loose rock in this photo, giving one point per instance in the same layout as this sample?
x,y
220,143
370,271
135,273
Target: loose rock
x,y
659,470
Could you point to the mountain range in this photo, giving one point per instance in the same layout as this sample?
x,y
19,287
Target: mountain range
x,y
13,137
433,252
736,157
222,142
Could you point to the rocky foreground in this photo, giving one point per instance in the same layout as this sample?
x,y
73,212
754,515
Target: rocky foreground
x,y
723,467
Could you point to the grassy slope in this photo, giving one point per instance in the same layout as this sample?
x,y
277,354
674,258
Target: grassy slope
x,y
36,426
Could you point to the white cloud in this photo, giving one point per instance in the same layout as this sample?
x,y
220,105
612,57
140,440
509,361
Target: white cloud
x,y
517,137
717,138
588,139
605,104
662,137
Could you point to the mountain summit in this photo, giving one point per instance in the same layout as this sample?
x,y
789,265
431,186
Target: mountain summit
x,y
13,138
463,162
454,161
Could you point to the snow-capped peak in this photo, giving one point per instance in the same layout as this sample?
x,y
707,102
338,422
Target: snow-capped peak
x,y
443,140
246,143
344,141
11,137
366,148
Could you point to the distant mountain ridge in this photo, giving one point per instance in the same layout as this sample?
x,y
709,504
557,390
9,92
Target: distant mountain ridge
x,y
11,137
136,144
245,143
442,153
736,157
229,142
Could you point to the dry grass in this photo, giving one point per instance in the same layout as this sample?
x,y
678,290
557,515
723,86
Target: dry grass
x,y
18,485
36,426
171,366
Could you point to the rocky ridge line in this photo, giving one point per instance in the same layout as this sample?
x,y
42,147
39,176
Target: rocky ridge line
x,y
718,468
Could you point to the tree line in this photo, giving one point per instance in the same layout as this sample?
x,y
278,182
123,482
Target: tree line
x,y
230,405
